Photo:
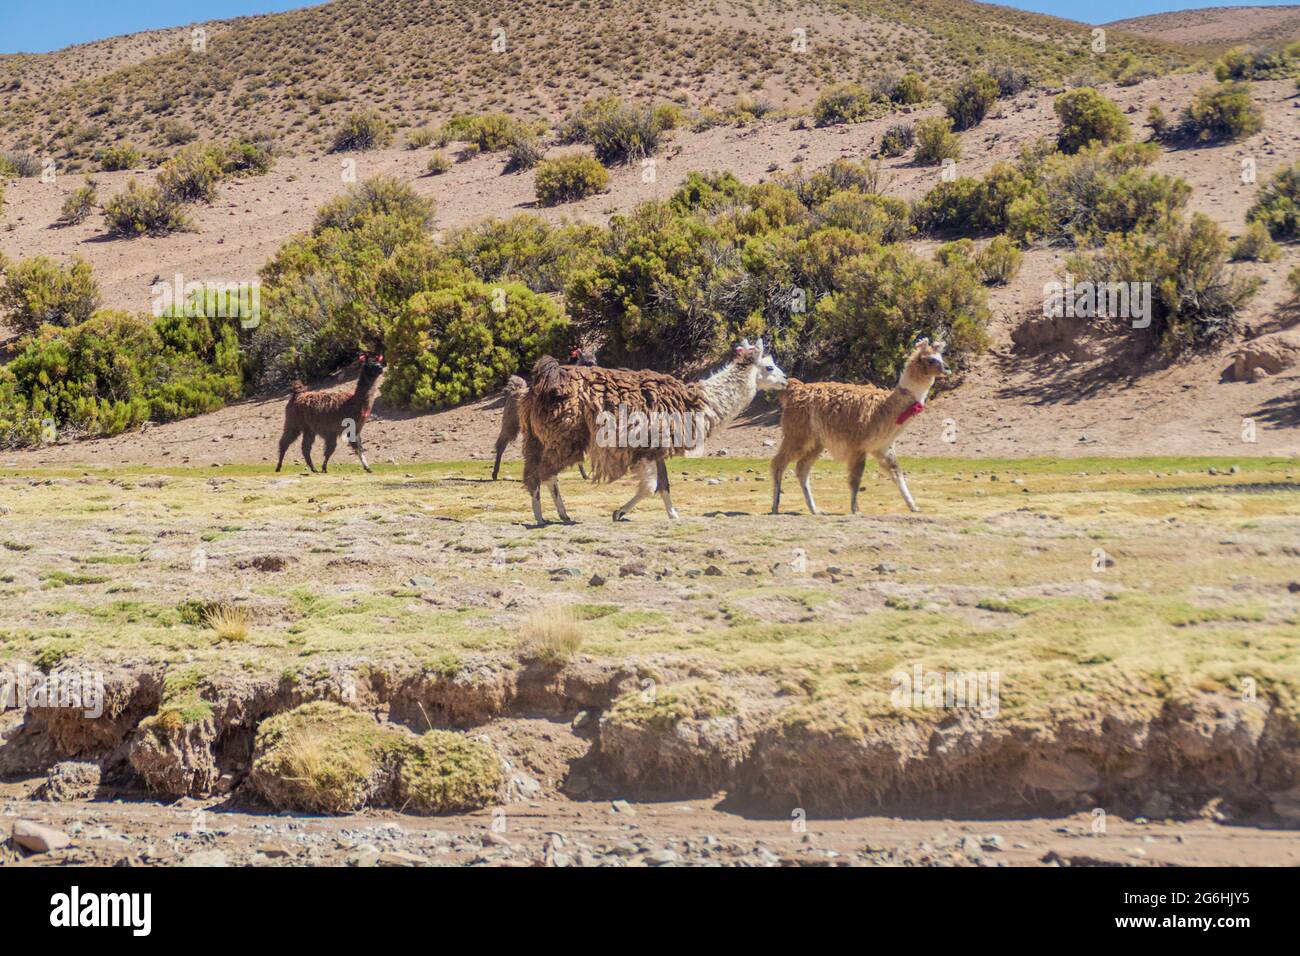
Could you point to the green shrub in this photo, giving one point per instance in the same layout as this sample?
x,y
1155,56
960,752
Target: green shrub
x,y
375,197
1293,280
842,174
999,262
419,138
568,179
524,248
970,206
1194,300
1278,204
438,164
1223,113
524,153
1262,63
624,135
708,191
847,103
909,90
147,210
458,343
362,131
18,164
1158,122
935,141
1010,80
38,291
1254,244
192,174
246,159
886,297
119,156
970,99
331,293
115,371
1099,190
78,204
1088,117
897,140
488,132
884,219
663,289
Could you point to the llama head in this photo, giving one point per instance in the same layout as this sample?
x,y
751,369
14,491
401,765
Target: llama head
x,y
372,366
581,356
924,365
767,374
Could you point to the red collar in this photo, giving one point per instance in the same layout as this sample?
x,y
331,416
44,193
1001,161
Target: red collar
x,y
916,409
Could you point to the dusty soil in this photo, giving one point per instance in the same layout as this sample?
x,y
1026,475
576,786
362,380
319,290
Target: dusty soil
x,y
129,828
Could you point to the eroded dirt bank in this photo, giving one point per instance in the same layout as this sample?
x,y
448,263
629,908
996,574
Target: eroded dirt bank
x,y
577,741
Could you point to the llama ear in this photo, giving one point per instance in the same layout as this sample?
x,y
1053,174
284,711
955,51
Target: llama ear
x,y
923,340
758,347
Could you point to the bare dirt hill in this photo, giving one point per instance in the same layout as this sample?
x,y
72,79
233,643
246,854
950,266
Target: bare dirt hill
x,y
1214,29
292,76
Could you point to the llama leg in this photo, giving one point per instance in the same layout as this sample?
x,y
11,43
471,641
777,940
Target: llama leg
x,y
804,470
503,441
856,467
784,455
560,510
537,506
644,488
661,479
308,438
331,442
287,439
361,452
582,471
889,460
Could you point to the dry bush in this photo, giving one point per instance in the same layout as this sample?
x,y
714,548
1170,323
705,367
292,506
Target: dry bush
x,y
551,634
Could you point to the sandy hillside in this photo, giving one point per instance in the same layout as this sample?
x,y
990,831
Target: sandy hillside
x,y
1216,28
1088,395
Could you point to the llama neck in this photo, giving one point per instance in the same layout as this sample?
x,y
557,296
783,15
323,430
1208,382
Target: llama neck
x,y
916,384
727,392
366,393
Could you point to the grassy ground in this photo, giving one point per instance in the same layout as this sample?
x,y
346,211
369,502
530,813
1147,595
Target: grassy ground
x,y
1076,581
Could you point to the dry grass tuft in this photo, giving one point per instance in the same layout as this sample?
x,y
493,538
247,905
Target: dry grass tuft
x,y
552,634
230,622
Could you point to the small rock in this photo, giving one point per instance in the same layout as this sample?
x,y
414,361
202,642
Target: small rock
x,y
662,857
596,581
398,858
38,838
206,858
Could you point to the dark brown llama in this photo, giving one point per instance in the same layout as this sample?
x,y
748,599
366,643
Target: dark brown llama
x,y
516,389
331,412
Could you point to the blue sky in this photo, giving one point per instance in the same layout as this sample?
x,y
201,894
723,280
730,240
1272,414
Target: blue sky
x,y
36,26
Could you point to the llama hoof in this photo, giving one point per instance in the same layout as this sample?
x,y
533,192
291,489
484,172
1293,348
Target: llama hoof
x,y
620,516
673,514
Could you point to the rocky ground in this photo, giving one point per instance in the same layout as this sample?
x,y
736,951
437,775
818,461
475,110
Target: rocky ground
x,y
130,830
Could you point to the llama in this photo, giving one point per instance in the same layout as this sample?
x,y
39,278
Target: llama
x,y
516,388
330,412
570,411
852,421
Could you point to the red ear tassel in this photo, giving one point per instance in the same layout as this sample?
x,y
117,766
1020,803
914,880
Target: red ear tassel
x,y
573,354
362,359
380,359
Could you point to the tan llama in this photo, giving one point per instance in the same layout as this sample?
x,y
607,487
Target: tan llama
x,y
852,422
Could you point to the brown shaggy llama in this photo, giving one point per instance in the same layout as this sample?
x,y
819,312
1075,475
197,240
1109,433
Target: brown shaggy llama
x,y
331,412
852,422
627,419
516,388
